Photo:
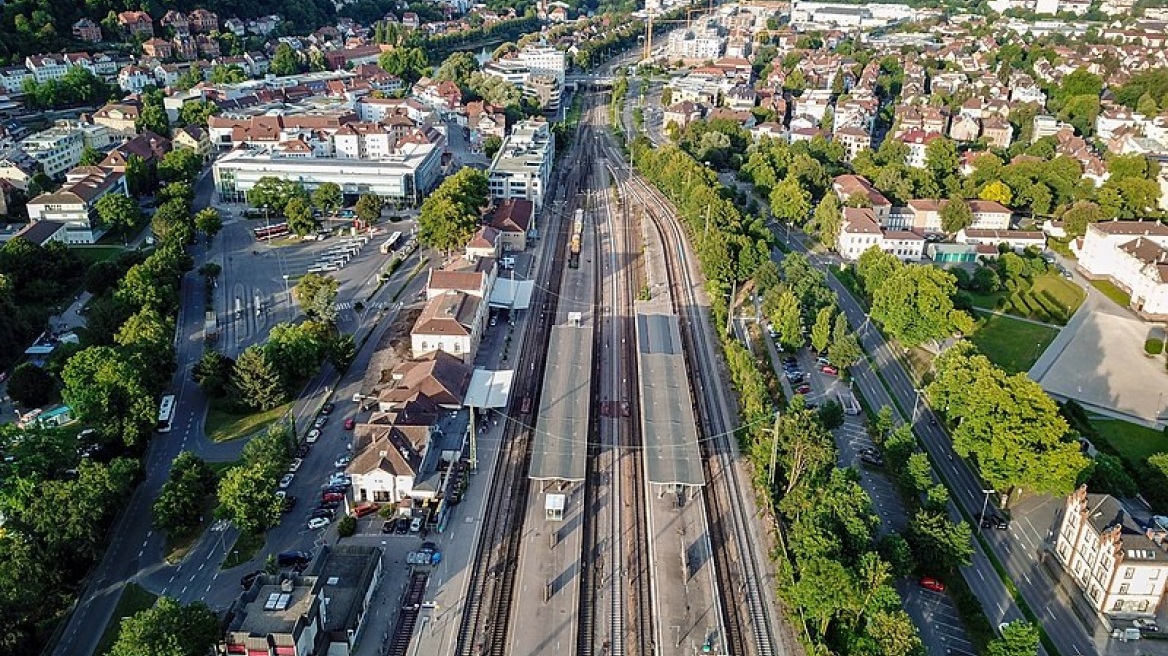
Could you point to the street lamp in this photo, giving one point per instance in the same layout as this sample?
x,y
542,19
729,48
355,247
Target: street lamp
x,y
985,503
287,295
916,405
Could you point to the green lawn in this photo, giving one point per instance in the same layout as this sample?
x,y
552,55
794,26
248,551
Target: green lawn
x,y
245,548
224,425
1121,298
94,254
1132,441
1051,299
134,598
1011,344
1058,289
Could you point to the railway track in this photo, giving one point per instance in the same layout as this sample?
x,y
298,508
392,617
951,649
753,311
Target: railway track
x,y
745,617
486,617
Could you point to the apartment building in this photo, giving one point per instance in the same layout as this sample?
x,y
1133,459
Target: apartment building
x,y
75,203
861,232
1120,566
57,149
523,166
544,59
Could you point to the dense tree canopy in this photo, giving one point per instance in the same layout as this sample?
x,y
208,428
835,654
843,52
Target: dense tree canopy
x,y
451,214
915,305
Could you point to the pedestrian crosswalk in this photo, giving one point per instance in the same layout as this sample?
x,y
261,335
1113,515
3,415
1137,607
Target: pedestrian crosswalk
x,y
347,305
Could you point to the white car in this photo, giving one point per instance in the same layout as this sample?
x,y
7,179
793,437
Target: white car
x,y
317,522
295,466
342,462
286,481
340,478
313,436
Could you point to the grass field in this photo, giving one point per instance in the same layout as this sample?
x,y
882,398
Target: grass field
x,y
134,598
246,546
1051,299
1011,344
1132,441
224,425
1121,298
93,254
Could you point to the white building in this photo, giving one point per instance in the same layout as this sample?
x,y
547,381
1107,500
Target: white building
x,y
403,176
57,149
861,232
46,67
451,322
133,79
700,43
1120,566
544,59
75,203
523,166
363,141
1134,256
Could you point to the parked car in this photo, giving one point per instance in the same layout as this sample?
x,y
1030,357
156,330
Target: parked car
x,y
387,526
295,465
317,523
803,389
874,459
342,462
364,509
340,478
328,408
250,578
302,451
313,436
401,525
429,547
932,584
829,370
416,525
320,421
822,361
289,504
331,504
290,558
286,481
993,520
332,496
1149,626
350,423
790,359
340,488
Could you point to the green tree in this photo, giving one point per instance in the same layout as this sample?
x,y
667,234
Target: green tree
x,y
956,215
844,349
938,544
831,415
915,305
147,339
90,156
139,176
369,208
1019,638
105,390
1011,428
894,634
245,498
153,118
274,193
30,385
180,164
1080,215
457,68
299,217
821,330
790,203
255,381
451,214
341,351
407,63
998,192
196,112
328,198
119,213
942,161
874,267
491,145
180,503
284,61
317,296
168,629
828,220
208,221
786,319
296,351
232,73
212,373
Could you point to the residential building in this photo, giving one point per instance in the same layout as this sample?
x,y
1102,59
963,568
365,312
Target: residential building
x,y
177,21
321,611
148,147
119,117
859,232
998,132
523,166
1133,255
1120,566
701,44
964,128
368,141
12,79
193,137
46,67
483,244
136,23
42,232
133,79
202,20
545,88
853,140
846,186
17,169
403,176
87,30
57,149
544,59
513,220
918,142
681,114
75,203
989,215
158,48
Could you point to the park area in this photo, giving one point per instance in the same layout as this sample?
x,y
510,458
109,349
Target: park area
x,y
1012,344
1050,299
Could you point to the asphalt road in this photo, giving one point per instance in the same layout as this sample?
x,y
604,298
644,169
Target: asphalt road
x,y
136,551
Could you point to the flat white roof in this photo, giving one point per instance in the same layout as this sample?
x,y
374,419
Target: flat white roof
x,y
489,389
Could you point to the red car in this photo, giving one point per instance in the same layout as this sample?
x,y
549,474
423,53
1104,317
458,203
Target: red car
x,y
930,583
332,496
830,370
803,389
350,423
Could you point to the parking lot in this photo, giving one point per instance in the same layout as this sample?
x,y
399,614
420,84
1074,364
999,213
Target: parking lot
x,y
933,613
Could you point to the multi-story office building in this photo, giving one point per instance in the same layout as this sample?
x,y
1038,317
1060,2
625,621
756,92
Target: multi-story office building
x,y
523,166
57,149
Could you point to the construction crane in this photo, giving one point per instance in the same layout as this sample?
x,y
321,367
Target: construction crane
x,y
688,22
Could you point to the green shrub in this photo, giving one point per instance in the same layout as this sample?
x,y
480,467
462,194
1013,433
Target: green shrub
x,y
1154,346
347,526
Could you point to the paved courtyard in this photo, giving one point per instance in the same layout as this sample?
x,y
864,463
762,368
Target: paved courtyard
x,y
1099,361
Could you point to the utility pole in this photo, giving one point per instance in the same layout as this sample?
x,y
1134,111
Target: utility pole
x,y
730,308
774,448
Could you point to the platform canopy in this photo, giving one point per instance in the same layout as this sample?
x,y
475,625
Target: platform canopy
x,y
668,423
511,294
489,389
560,444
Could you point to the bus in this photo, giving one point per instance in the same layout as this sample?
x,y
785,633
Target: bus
x,y
271,232
166,414
391,243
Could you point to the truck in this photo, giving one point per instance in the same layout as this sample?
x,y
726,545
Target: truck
x,y
210,326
